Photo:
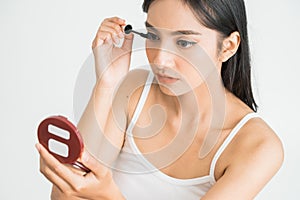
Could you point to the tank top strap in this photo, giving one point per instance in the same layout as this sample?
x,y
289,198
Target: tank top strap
x,y
141,103
231,135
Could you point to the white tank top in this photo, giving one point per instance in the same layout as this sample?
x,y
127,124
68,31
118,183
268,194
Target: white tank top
x,y
138,179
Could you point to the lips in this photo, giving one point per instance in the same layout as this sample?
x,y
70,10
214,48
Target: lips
x,y
166,79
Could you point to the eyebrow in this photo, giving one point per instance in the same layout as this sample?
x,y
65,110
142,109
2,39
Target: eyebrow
x,y
178,32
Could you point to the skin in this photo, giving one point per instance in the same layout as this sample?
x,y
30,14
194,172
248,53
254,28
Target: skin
x,y
69,183
254,155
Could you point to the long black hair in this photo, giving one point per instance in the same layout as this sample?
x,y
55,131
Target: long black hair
x,y
227,16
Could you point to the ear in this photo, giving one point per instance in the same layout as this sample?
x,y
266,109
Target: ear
x,y
230,46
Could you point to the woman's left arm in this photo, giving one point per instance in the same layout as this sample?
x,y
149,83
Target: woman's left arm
x,y
256,162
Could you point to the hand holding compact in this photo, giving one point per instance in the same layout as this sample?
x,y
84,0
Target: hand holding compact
x,y
61,148
68,184
62,139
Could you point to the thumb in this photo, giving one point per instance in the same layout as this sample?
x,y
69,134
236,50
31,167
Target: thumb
x,y
128,40
98,169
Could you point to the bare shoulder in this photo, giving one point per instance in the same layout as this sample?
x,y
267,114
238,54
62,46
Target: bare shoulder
x,y
130,90
260,139
131,83
257,147
253,157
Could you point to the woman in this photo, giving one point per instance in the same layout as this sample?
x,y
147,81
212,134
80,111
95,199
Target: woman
x,y
242,152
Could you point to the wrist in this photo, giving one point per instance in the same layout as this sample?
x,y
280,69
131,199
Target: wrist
x,y
117,193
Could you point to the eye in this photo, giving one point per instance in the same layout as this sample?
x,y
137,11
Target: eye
x,y
152,36
185,43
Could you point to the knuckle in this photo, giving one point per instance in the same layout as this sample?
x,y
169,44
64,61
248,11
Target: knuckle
x,y
99,31
100,35
79,188
41,167
103,23
68,193
45,171
116,26
98,38
94,44
107,35
42,170
58,169
116,19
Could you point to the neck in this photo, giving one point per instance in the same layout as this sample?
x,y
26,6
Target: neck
x,y
204,100
195,103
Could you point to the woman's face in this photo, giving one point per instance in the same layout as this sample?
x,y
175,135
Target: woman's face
x,y
180,49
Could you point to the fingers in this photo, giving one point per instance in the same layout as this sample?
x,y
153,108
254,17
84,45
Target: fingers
x,y
57,194
110,31
55,171
128,41
112,27
55,179
69,185
94,165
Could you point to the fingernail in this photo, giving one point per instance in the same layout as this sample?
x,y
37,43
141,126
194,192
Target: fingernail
x,y
100,42
116,39
121,35
85,157
37,146
109,41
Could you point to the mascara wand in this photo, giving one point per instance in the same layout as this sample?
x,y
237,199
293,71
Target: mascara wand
x,y
128,29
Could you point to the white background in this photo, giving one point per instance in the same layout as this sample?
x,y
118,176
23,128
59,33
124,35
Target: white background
x,y
43,45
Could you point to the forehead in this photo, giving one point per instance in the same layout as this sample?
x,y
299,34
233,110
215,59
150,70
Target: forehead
x,y
173,15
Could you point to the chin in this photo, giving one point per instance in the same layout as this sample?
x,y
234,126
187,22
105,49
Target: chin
x,y
166,90
177,89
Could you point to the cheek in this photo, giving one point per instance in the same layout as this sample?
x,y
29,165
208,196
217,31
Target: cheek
x,y
151,57
189,73
210,46
213,54
150,54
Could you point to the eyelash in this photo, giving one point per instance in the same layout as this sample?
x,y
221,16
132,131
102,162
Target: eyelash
x,y
153,37
188,43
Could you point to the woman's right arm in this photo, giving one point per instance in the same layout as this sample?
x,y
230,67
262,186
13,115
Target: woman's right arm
x,y
111,65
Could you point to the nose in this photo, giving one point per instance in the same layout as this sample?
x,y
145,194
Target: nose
x,y
163,58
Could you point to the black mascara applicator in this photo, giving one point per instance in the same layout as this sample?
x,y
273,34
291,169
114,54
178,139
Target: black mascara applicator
x,y
128,29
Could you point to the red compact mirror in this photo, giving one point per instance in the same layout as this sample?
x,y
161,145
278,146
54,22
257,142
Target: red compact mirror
x,y
62,139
